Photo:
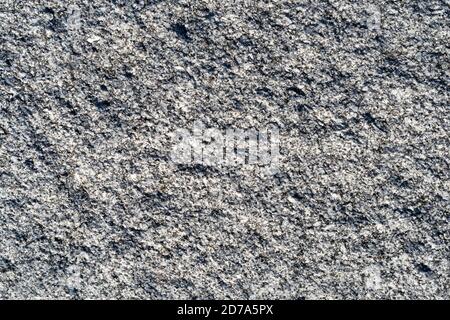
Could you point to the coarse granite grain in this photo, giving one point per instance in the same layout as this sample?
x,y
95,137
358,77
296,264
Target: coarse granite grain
x,y
93,207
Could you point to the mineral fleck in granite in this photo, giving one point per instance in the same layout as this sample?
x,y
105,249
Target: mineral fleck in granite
x,y
118,179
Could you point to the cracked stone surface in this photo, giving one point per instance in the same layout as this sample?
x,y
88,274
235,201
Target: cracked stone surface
x,y
91,205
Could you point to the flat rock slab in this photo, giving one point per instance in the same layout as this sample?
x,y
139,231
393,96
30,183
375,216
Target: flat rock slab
x,y
92,204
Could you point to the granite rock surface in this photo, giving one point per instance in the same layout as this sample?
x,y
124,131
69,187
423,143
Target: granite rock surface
x,y
92,205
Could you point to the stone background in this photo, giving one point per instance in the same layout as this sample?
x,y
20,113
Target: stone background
x,y
91,205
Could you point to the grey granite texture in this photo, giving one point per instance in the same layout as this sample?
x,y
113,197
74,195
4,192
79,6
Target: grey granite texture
x,y
91,205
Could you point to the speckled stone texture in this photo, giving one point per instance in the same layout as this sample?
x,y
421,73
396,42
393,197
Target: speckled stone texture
x,y
91,205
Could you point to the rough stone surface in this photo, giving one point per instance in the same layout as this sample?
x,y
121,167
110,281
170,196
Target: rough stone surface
x,y
91,205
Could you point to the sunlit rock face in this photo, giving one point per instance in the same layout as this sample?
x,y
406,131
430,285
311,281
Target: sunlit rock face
x,y
334,184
